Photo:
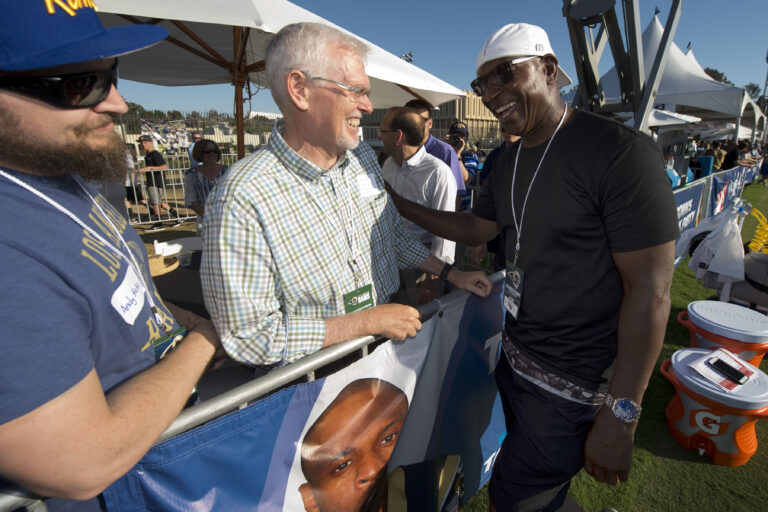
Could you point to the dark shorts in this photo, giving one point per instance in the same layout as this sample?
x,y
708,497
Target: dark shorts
x,y
544,446
133,194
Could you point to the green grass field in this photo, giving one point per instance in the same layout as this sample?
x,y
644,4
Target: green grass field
x,y
664,476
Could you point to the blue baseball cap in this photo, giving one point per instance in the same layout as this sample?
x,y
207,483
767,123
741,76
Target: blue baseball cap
x,y
37,34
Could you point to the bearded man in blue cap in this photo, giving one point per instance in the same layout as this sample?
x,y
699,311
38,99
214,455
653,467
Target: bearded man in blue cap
x,y
83,393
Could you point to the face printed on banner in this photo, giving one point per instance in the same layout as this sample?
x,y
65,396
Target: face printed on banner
x,y
344,454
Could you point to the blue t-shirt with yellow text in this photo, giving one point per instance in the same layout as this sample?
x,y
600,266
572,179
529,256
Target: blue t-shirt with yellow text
x,y
69,303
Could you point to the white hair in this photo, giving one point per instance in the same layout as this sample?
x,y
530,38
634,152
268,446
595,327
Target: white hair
x,y
304,46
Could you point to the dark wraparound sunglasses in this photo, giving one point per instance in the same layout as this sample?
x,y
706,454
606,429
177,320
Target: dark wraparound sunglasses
x,y
78,90
500,75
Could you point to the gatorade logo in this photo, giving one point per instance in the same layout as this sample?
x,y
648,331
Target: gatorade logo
x,y
707,422
69,6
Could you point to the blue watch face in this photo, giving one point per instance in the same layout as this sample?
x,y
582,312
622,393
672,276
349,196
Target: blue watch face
x,y
625,410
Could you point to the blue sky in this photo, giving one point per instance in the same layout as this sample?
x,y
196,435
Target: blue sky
x,y
446,36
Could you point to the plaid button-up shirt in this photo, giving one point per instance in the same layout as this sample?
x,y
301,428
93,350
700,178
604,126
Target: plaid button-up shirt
x,y
276,258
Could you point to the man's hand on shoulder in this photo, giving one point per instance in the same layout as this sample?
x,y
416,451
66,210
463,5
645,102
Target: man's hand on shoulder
x,y
608,449
476,281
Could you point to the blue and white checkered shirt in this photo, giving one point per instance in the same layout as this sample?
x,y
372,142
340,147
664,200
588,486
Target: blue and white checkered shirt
x,y
276,258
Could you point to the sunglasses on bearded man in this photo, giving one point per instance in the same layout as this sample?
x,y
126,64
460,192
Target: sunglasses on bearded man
x,y
76,90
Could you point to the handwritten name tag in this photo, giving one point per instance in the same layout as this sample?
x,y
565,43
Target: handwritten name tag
x,y
128,299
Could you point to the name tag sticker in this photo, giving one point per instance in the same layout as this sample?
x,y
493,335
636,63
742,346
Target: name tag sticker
x,y
128,299
366,185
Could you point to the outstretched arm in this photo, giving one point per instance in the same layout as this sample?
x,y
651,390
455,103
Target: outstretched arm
x,y
463,227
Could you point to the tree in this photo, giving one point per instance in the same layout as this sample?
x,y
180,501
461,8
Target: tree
x,y
259,124
753,89
717,75
135,109
131,119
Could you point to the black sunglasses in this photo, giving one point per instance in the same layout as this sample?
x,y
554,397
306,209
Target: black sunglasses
x,y
77,90
211,151
500,75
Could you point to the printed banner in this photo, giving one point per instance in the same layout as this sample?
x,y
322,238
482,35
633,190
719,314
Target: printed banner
x,y
688,201
725,188
172,135
456,411
326,445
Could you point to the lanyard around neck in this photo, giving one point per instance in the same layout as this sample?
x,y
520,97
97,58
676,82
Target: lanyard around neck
x,y
519,227
129,259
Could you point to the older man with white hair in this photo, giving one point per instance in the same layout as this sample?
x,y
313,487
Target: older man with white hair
x,y
302,245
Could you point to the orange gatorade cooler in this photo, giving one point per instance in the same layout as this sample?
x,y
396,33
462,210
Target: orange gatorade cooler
x,y
705,417
714,324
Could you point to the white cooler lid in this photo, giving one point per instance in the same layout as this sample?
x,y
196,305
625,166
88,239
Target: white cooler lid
x,y
729,320
752,395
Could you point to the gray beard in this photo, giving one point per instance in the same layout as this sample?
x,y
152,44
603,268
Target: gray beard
x,y
19,152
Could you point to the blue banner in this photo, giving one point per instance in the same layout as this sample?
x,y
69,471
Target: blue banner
x,y
688,202
330,444
456,412
726,187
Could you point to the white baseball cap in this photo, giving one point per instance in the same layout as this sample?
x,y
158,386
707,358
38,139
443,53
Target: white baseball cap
x,y
519,40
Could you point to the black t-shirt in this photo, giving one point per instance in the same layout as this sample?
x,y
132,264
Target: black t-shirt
x,y
600,189
152,159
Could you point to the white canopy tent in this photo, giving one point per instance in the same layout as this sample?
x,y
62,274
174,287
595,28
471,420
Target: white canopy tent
x,y
226,41
685,85
684,82
661,118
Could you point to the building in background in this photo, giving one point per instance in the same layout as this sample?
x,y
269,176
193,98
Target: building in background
x,y
482,124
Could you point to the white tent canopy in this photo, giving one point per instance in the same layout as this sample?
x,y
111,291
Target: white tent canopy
x,y
684,82
661,117
393,80
225,42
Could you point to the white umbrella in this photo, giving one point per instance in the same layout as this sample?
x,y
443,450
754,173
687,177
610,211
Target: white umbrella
x,y
226,41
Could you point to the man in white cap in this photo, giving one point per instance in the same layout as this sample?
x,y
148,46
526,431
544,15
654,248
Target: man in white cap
x,y
589,226
82,327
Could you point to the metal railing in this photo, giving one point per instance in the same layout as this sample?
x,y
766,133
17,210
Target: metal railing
x,y
172,194
305,369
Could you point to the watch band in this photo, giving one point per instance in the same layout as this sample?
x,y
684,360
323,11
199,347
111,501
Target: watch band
x,y
625,409
446,270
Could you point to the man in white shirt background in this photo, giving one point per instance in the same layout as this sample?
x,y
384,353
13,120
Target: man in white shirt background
x,y
425,179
